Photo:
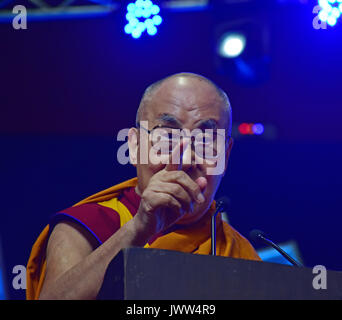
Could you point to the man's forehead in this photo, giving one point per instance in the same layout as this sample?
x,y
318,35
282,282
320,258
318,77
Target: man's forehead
x,y
180,112
187,90
173,121
185,101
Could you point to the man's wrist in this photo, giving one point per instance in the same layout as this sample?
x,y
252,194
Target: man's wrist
x,y
140,230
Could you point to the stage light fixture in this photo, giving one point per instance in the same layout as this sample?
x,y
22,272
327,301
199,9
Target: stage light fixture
x,y
242,49
251,128
254,130
142,15
231,45
258,128
330,12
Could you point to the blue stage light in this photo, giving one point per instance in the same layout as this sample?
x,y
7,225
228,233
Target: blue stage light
x,y
131,7
138,12
157,20
148,4
136,33
331,10
232,45
149,23
146,13
258,128
130,15
142,15
323,15
155,9
152,30
331,21
141,27
128,28
335,12
139,3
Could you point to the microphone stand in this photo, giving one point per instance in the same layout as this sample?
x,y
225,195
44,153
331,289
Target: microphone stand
x,y
213,228
280,250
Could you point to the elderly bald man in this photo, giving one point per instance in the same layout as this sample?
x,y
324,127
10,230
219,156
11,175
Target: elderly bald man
x,y
168,205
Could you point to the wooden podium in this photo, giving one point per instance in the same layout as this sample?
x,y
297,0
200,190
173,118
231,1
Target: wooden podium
x,y
152,274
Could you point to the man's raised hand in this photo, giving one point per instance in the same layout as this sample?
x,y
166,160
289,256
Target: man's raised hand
x,y
169,195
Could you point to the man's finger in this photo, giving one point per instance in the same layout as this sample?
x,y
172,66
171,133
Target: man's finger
x,y
176,157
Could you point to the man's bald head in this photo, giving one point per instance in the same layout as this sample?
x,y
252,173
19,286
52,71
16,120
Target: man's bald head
x,y
190,103
153,89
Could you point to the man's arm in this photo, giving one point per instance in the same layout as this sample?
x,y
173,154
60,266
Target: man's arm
x,y
74,269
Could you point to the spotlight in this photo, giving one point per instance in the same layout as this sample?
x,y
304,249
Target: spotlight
x,y
142,15
254,130
251,128
242,49
231,45
331,10
245,128
258,128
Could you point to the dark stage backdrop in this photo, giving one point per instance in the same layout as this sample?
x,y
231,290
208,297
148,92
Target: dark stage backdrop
x,y
67,87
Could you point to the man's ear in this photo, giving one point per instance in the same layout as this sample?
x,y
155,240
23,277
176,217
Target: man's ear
x,y
133,146
228,151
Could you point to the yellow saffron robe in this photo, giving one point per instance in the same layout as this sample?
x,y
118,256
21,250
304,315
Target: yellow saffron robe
x,y
193,239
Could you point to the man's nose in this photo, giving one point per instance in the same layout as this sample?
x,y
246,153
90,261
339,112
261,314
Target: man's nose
x,y
188,158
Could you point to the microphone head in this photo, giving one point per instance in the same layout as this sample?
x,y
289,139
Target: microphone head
x,y
223,203
256,235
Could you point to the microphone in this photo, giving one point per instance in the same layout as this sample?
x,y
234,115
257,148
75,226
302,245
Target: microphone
x,y
259,236
221,205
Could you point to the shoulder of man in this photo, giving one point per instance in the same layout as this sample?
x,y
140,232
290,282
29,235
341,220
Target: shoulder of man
x,y
101,219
